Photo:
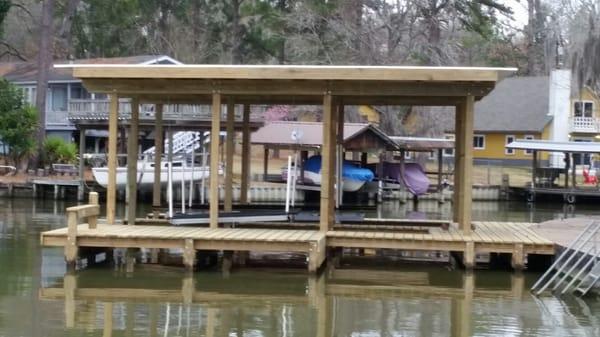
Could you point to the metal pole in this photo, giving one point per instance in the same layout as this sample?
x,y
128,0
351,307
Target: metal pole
x,y
203,178
192,177
294,179
182,169
170,173
287,185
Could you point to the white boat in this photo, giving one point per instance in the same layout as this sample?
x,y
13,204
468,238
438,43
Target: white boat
x,y
145,174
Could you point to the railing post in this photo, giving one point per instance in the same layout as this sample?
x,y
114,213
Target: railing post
x,y
93,220
71,245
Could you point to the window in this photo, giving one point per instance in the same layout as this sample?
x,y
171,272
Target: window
x,y
529,137
479,142
79,92
583,109
58,98
509,139
449,152
431,155
407,155
29,95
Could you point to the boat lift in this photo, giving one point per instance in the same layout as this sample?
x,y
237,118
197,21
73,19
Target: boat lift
x,y
545,179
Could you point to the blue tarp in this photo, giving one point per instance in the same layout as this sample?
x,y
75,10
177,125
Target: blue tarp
x,y
349,170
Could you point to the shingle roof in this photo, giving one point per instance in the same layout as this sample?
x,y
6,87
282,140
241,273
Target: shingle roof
x,y
27,71
517,104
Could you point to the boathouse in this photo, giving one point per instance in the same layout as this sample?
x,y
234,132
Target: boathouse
x,y
333,88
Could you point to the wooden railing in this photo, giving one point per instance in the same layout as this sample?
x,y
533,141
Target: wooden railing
x,y
87,212
98,109
585,124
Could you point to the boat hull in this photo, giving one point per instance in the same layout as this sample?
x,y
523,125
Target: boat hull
x,y
147,178
348,185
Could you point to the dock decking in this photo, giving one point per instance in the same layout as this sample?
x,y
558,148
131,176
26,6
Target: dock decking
x,y
487,237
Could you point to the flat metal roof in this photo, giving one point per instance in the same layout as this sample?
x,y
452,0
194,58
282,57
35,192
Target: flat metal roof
x,y
550,146
422,143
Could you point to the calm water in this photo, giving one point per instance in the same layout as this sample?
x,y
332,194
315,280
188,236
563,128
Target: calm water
x,y
37,298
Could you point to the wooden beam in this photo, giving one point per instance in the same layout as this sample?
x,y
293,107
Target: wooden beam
x,y
229,151
246,149
132,159
464,164
111,189
214,160
269,87
158,152
327,215
332,73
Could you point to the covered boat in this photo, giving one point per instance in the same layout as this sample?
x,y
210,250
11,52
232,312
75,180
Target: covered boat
x,y
353,176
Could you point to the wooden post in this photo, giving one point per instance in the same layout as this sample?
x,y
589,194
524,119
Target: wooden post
x,y
108,319
229,145
214,160
69,288
93,220
189,254
71,249
246,148
158,151
80,188
339,154
132,159
327,217
111,189
464,164
469,255
266,164
518,257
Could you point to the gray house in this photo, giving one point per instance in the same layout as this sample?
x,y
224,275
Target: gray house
x,y
66,95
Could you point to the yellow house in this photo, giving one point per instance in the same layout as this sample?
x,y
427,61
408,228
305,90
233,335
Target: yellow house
x,y
516,109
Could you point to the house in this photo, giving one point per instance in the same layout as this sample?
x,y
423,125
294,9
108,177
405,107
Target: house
x,y
542,107
64,91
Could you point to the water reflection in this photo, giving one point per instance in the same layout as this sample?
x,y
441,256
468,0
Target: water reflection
x,y
38,299
342,302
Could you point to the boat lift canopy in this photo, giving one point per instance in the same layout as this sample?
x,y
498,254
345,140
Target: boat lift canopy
x,y
550,146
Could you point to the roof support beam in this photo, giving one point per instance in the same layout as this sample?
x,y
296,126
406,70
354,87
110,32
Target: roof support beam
x,y
463,164
132,159
327,214
111,189
214,160
202,87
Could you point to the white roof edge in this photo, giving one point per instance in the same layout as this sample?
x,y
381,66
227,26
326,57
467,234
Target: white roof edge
x,y
550,146
429,139
233,66
161,58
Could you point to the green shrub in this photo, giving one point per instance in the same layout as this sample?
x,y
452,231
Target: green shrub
x,y
58,151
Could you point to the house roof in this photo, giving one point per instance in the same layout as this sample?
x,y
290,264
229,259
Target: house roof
x,y
289,134
517,104
550,146
21,72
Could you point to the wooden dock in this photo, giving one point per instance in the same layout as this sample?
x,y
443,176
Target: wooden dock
x,y
513,238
